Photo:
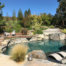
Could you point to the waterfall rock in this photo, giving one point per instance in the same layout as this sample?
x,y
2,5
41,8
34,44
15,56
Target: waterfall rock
x,y
62,36
20,40
54,34
54,37
37,37
46,36
57,36
40,36
33,39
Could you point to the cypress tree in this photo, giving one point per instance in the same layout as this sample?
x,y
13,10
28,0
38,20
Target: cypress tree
x,y
20,15
1,13
14,16
26,13
29,12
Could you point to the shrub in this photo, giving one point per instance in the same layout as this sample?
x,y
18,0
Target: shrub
x,y
18,52
44,27
64,31
51,26
24,31
38,32
30,28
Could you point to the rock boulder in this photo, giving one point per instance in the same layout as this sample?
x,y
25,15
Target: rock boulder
x,y
38,54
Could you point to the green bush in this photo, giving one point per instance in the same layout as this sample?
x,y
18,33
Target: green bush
x,y
17,28
51,26
30,28
44,27
18,52
64,31
10,26
24,31
38,32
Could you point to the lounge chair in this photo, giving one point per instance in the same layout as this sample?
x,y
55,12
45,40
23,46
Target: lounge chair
x,y
59,56
6,34
13,33
62,53
56,56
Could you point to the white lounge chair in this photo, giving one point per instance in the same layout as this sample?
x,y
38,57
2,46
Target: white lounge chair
x,y
13,33
56,56
62,53
59,56
6,34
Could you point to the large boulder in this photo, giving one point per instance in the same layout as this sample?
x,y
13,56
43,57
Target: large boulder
x,y
62,36
33,39
46,36
40,36
57,36
37,37
38,54
19,41
51,33
5,42
30,32
54,36
24,40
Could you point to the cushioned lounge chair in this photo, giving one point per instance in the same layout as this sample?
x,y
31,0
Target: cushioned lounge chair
x,y
62,53
56,56
59,56
13,33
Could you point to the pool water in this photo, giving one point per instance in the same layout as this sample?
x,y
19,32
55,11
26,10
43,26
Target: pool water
x,y
48,46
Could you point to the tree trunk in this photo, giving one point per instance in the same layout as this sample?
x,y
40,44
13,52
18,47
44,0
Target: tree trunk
x,y
63,22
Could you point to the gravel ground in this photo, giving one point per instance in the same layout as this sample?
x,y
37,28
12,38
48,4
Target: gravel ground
x,y
6,61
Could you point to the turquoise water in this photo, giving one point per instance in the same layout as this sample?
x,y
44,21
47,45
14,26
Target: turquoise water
x,y
48,46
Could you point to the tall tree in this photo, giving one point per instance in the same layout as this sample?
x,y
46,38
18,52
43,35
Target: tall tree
x,y
14,16
7,17
1,6
27,13
1,18
61,12
46,19
20,15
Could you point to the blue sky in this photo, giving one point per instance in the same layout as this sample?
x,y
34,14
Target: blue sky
x,y
36,6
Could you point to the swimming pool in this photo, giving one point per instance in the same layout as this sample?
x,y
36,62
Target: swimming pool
x,y
48,46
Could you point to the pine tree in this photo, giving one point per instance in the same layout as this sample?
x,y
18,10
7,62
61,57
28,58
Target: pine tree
x,y
29,12
26,13
20,15
61,12
7,17
1,13
14,16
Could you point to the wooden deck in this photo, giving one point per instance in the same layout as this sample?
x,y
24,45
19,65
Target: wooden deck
x,y
19,36
16,36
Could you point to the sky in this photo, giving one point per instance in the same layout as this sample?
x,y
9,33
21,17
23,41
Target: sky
x,y
36,6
